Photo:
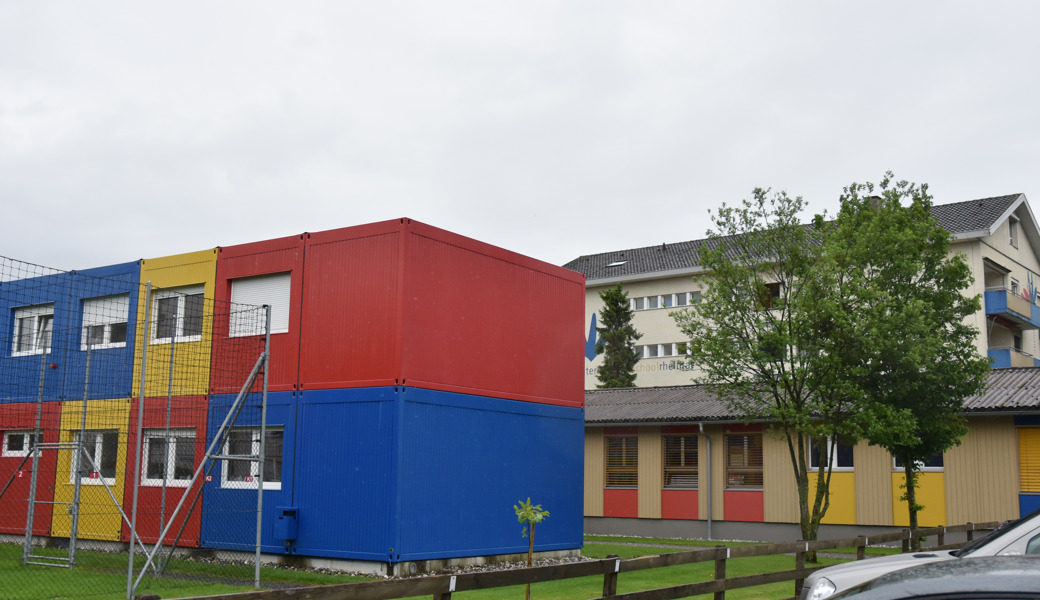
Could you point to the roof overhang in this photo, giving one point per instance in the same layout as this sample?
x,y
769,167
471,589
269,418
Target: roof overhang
x,y
690,271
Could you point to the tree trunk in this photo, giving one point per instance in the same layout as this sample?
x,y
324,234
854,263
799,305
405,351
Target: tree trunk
x,y
911,502
530,554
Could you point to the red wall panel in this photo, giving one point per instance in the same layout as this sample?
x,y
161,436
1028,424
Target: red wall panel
x,y
743,506
620,503
229,356
403,303
351,319
678,504
480,319
186,412
21,416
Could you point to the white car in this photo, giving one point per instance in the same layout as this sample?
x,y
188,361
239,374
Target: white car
x,y
1013,538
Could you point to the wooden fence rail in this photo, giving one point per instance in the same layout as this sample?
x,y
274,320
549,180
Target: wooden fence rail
x,y
441,587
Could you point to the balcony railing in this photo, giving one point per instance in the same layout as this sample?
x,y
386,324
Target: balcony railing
x,y
1005,357
1019,311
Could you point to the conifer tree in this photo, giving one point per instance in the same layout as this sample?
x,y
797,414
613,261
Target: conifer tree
x,y
617,339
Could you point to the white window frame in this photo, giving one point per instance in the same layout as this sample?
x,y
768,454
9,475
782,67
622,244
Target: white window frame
x,y
176,436
921,468
835,468
37,314
639,303
1013,228
250,482
32,439
181,294
274,290
105,311
97,455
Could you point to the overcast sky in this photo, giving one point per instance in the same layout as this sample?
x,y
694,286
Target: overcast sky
x,y
555,129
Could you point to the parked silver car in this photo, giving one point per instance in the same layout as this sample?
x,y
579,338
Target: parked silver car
x,y
1021,536
989,577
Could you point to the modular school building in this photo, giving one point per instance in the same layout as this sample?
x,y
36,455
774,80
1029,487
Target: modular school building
x,y
667,458
420,384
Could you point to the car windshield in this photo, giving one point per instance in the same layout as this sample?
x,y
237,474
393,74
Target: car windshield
x,y
1003,529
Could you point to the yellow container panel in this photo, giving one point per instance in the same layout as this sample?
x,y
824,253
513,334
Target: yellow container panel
x,y
101,497
842,508
931,493
187,371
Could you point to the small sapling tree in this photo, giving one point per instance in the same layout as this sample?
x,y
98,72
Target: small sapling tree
x,y
529,515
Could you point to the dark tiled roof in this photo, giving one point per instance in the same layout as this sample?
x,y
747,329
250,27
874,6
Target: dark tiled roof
x,y
959,217
1008,390
654,404
973,215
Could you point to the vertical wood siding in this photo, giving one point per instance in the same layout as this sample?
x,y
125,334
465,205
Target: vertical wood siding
x,y
873,485
594,478
718,475
982,473
651,477
779,490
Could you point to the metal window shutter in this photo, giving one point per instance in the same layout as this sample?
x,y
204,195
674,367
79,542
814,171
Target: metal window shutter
x,y
107,309
1029,458
272,290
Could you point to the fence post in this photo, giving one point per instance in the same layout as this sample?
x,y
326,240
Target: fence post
x,y
906,540
941,538
610,575
446,595
720,570
971,531
861,547
799,564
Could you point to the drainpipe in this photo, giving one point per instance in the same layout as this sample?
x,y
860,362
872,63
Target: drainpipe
x,y
708,478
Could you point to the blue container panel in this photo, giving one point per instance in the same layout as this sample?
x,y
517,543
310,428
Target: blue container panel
x,y
1028,503
111,369
345,473
229,513
467,460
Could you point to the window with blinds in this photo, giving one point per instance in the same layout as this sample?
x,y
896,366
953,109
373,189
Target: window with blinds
x,y
744,460
622,460
680,461
272,290
1029,458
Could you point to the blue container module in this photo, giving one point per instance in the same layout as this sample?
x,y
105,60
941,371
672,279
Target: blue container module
x,y
466,460
345,474
229,492
395,474
105,297
399,474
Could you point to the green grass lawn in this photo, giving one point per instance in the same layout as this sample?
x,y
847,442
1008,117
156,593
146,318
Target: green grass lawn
x,y
103,576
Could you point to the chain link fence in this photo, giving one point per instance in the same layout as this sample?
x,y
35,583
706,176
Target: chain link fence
x,y
134,448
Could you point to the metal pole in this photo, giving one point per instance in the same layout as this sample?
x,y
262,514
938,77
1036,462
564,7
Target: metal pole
x,y
140,420
169,446
263,440
217,439
77,464
27,548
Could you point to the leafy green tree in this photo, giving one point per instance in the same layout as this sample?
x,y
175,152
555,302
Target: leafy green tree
x,y
617,339
754,336
903,307
530,515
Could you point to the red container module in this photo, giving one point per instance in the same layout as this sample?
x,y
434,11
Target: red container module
x,y
17,422
403,303
270,267
171,427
